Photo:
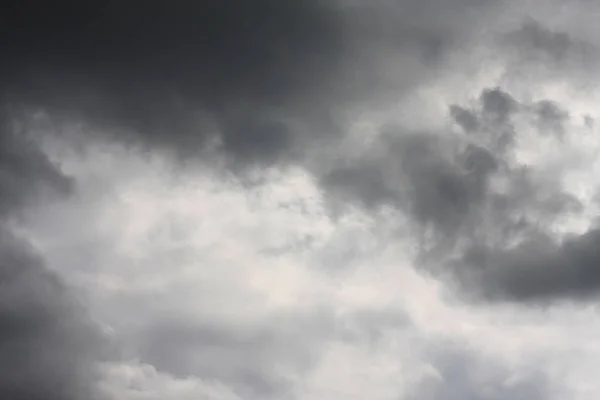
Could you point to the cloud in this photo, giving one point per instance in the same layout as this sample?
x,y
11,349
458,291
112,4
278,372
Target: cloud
x,y
270,355
469,189
540,270
138,381
48,345
25,171
535,42
261,82
171,76
455,177
459,374
177,272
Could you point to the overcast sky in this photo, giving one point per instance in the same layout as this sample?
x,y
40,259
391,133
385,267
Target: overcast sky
x,y
300,199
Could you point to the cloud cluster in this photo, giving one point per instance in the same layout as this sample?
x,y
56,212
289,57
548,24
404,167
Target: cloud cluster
x,y
475,199
473,166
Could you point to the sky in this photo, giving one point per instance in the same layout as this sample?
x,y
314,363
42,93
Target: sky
x,y
301,199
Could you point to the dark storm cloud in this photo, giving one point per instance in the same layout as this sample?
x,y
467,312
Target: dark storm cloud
x,y
539,269
491,122
439,182
443,176
445,183
25,170
174,72
260,80
47,345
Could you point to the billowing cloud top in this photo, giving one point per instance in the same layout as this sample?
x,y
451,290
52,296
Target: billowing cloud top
x,y
308,199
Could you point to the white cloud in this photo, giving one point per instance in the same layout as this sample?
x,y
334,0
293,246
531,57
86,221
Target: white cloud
x,y
258,290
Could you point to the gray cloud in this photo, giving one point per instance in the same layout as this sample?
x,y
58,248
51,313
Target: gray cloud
x,y
47,344
175,74
551,117
439,182
539,269
539,50
261,83
47,348
25,171
535,42
261,361
445,183
463,374
260,80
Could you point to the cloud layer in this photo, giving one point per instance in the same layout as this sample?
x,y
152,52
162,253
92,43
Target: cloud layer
x,y
48,343
298,200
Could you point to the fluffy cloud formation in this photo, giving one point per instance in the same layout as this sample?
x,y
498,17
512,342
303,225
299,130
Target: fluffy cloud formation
x,y
476,198
298,200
